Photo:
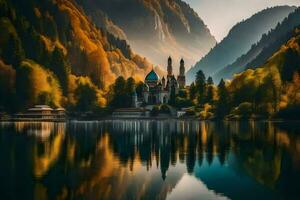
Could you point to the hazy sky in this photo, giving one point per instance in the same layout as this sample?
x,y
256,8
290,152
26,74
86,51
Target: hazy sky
x,y
221,15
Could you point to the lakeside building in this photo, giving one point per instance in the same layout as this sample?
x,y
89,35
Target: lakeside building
x,y
158,91
43,112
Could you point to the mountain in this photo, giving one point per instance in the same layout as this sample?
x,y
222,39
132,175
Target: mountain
x,y
239,40
261,51
51,45
154,28
273,86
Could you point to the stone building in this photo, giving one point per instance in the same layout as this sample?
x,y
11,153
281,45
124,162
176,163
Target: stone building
x,y
158,91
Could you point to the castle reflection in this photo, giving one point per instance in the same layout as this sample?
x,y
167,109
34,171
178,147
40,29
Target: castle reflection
x,y
149,160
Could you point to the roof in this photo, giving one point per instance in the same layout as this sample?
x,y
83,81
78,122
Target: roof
x,y
152,76
40,108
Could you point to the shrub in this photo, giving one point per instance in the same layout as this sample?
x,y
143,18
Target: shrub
x,y
290,112
165,109
244,109
154,111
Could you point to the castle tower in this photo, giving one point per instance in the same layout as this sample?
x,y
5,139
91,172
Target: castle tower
x,y
182,68
170,68
181,77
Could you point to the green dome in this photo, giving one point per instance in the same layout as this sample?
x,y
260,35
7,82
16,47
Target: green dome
x,y
152,76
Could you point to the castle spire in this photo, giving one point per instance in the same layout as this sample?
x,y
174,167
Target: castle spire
x,y
181,77
182,68
170,68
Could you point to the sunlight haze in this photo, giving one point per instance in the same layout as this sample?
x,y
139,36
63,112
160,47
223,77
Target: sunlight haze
x,y
221,15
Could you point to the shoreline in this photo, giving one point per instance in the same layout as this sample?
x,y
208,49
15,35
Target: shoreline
x,y
142,119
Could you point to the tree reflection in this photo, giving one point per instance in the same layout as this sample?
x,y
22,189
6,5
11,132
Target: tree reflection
x,y
94,160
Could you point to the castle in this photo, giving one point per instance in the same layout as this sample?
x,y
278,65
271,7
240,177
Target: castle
x,y
158,91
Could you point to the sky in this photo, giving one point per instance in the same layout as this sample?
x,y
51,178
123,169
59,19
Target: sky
x,y
221,15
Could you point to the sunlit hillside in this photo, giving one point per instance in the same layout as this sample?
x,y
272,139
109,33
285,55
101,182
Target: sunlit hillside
x,y
56,37
154,28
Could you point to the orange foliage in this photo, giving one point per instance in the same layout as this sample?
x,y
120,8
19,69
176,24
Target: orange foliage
x,y
42,80
107,64
292,89
74,81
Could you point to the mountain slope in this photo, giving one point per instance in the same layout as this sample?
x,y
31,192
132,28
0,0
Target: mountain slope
x,y
274,85
55,39
62,24
240,39
155,28
260,52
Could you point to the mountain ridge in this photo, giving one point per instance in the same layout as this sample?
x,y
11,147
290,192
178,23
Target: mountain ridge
x,y
156,29
262,50
240,39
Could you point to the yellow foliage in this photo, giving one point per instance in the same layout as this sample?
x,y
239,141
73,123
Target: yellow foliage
x,y
42,80
74,81
107,64
50,45
292,90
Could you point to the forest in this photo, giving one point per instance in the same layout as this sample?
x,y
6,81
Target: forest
x,y
83,68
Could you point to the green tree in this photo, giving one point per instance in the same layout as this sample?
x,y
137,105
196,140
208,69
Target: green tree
x,y
139,89
117,93
172,100
13,52
209,96
223,103
86,96
200,85
60,68
24,93
129,90
210,81
7,86
193,91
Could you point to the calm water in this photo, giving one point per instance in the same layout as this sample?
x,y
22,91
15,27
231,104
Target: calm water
x,y
171,160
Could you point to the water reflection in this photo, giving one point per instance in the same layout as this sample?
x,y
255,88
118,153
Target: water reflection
x,y
149,160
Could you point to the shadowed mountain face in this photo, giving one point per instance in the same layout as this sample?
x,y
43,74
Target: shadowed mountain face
x,y
42,26
265,48
239,40
156,29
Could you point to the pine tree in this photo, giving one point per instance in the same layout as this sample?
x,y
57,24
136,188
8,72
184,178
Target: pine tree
x,y
193,91
200,85
222,105
59,66
13,52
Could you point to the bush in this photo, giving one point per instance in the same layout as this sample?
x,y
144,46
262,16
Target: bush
x,y
183,102
190,113
291,112
154,111
244,109
165,109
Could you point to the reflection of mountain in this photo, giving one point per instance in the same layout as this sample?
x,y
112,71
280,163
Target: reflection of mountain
x,y
148,160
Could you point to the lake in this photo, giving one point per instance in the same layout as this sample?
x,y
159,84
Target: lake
x,y
131,159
